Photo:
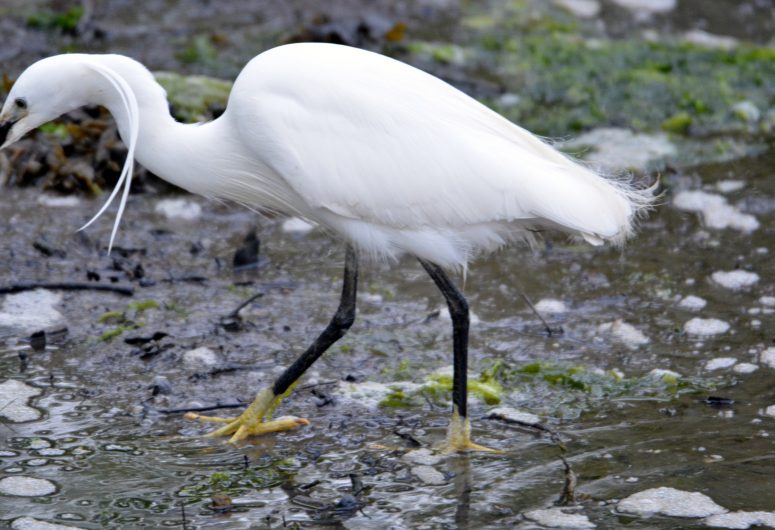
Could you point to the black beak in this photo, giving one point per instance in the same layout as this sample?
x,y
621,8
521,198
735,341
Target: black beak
x,y
4,128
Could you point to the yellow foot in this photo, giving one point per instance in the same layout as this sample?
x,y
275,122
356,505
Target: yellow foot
x,y
459,437
251,422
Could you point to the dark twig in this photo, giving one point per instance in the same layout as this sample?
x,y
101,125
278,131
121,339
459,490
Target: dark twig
x,y
66,286
199,409
549,330
243,305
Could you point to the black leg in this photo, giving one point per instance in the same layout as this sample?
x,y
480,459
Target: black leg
x,y
340,323
458,310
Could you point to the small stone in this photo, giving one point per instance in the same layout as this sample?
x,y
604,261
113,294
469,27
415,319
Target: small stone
x,y
31,311
581,8
661,373
514,415
21,486
735,280
767,300
13,401
424,457
747,111
720,362
709,40
728,186
745,368
670,502
626,333
692,303
770,411
559,518
741,520
551,306
295,225
647,6
182,209
200,359
55,201
28,523
706,327
767,357
429,475
715,210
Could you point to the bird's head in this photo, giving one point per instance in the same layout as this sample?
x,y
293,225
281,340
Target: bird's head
x,y
43,92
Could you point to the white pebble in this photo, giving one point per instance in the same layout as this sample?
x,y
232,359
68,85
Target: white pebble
x,y
295,225
715,210
429,475
745,368
735,280
728,186
768,357
423,456
28,523
767,300
13,401
661,373
647,6
706,326
692,303
183,209
31,311
581,8
21,486
55,201
741,520
515,415
770,411
559,518
200,358
550,305
670,502
720,362
626,333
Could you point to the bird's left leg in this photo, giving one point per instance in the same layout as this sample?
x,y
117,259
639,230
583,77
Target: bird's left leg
x,y
251,421
459,432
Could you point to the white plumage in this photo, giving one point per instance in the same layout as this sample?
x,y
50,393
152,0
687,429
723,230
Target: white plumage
x,y
389,157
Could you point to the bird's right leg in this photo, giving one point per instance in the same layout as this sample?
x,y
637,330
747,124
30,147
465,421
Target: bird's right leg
x,y
252,421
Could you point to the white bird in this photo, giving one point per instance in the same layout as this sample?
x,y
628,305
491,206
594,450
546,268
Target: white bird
x,y
388,157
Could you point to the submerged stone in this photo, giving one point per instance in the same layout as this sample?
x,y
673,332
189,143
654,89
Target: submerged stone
x,y
625,333
720,362
13,401
715,210
745,368
295,225
28,523
767,357
559,518
735,280
647,6
515,415
424,457
31,311
616,148
706,327
182,209
692,303
21,486
429,475
671,502
550,305
581,8
741,520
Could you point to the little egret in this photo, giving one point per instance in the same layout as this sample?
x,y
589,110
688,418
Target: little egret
x,y
388,157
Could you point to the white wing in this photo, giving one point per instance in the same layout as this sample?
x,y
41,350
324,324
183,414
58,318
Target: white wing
x,y
372,139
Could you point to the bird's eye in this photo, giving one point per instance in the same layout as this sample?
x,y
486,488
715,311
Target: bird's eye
x,y
20,103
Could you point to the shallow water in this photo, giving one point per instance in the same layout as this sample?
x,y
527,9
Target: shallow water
x,y
123,465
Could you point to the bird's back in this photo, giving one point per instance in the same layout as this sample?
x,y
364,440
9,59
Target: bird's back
x,y
397,160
